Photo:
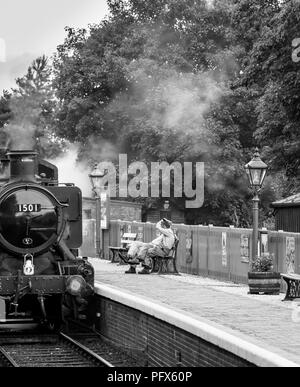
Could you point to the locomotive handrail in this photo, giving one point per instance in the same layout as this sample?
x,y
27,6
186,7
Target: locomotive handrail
x,y
67,184
21,185
63,248
42,228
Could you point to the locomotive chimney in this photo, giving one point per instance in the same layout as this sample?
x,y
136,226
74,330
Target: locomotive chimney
x,y
22,165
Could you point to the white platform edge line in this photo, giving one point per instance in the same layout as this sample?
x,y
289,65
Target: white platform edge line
x,y
240,347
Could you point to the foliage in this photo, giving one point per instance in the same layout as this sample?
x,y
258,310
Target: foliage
x,y
173,80
27,112
154,80
263,263
271,70
5,112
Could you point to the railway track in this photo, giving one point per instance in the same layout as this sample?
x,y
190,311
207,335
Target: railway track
x,y
47,350
113,354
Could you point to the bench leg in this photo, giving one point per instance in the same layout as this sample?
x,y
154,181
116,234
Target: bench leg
x,y
123,258
287,294
113,259
175,268
293,290
161,266
153,266
164,266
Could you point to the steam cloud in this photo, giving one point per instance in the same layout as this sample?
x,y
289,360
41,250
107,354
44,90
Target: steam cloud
x,y
72,171
187,99
97,149
21,128
171,101
74,165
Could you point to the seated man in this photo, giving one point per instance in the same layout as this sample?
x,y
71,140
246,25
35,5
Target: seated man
x,y
161,246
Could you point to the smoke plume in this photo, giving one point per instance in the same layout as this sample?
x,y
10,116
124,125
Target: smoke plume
x,y
21,128
70,170
165,100
97,149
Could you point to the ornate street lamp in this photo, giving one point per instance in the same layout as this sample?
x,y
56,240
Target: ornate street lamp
x,y
166,205
256,171
96,181
96,177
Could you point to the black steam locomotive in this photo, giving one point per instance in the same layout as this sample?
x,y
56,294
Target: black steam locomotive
x,y
41,278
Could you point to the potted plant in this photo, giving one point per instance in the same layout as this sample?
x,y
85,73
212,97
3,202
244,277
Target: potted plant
x,y
262,278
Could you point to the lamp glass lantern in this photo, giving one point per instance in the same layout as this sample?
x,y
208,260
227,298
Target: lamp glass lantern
x,y
256,171
96,179
166,205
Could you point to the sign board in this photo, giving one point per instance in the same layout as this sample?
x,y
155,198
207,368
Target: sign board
x,y
105,211
245,250
264,243
224,249
290,255
89,245
2,309
189,247
140,235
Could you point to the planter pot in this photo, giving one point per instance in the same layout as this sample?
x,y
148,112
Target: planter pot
x,y
265,283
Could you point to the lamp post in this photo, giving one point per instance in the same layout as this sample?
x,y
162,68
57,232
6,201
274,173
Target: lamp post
x,y
96,180
256,171
166,211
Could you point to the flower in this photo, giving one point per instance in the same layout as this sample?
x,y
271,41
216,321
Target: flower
x,y
263,263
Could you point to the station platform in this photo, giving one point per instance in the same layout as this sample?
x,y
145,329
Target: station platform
x,y
259,328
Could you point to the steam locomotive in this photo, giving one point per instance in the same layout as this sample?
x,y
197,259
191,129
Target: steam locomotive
x,y
42,279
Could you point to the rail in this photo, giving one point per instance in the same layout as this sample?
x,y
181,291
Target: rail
x,y
42,350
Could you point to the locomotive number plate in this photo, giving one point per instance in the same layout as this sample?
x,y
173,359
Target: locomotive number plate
x,y
28,208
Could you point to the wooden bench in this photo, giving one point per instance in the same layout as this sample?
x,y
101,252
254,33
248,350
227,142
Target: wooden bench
x,y
121,251
293,286
161,264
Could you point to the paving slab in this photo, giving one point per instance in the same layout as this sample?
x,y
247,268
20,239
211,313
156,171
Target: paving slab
x,y
262,319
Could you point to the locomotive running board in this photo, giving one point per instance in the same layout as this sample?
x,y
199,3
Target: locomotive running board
x,y
17,325
18,320
39,285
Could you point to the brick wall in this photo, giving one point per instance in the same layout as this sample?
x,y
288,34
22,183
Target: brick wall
x,y
154,215
157,342
126,211
122,210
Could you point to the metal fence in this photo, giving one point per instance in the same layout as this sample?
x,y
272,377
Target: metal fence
x,y
217,252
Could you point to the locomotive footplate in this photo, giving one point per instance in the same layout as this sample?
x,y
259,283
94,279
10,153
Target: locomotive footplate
x,y
39,285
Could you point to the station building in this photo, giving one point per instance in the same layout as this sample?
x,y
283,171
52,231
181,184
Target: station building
x,y
287,214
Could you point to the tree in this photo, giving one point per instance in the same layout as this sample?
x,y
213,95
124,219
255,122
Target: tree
x,y
160,81
93,67
271,70
28,111
5,112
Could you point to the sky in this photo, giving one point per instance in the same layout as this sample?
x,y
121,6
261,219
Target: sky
x,y
30,28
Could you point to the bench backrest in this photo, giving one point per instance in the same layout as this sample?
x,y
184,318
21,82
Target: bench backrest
x,y
128,238
173,251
